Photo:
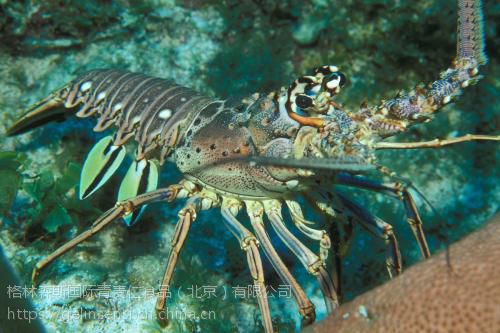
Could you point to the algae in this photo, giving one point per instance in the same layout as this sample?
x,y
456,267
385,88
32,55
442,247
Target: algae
x,y
10,178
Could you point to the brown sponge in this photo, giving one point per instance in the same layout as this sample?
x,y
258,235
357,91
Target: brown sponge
x,y
435,296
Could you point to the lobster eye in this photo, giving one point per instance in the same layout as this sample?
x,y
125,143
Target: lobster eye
x,y
325,70
304,101
333,82
342,79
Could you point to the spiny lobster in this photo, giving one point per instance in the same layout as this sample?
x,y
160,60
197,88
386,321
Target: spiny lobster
x,y
258,154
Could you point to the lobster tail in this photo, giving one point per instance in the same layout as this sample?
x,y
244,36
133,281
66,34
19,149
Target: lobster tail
x,y
47,110
141,177
101,163
154,111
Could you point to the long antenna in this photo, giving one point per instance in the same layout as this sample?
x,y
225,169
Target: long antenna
x,y
470,34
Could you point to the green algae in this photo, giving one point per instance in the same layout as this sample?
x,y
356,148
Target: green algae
x,y
10,179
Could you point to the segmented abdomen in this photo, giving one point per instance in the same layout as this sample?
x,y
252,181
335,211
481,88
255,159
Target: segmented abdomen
x,y
151,109
154,111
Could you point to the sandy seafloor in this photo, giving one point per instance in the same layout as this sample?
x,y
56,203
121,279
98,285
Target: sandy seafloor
x,y
223,48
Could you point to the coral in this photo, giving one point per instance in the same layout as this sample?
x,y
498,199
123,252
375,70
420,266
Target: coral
x,y
455,292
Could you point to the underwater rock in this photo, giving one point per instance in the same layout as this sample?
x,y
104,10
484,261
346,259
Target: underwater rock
x,y
144,270
46,297
308,31
458,294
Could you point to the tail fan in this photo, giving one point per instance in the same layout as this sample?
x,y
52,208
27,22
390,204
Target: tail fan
x,y
47,110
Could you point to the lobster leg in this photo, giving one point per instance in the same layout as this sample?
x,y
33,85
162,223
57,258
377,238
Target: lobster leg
x,y
379,228
412,215
255,212
121,209
301,223
341,230
322,203
436,143
311,262
248,244
187,215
